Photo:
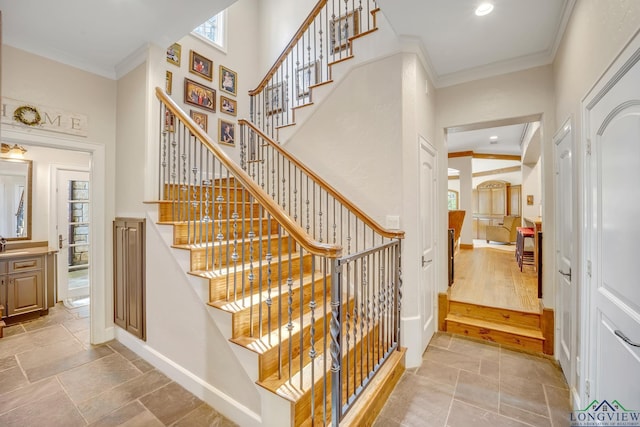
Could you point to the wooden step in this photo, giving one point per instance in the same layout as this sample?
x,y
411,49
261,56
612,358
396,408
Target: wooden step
x,y
245,311
181,192
303,398
171,211
530,339
496,314
235,277
214,255
186,232
370,403
270,351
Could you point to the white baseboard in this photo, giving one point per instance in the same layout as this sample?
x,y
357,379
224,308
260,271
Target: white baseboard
x,y
218,400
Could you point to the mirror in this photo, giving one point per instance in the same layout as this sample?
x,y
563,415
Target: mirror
x,y
15,199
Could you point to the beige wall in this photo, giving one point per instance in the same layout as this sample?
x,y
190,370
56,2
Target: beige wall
x,y
360,141
506,96
596,33
130,143
278,22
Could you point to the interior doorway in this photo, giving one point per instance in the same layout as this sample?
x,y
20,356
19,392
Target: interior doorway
x,y
495,175
73,225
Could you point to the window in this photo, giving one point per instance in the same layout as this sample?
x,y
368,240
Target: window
x,y
453,200
213,30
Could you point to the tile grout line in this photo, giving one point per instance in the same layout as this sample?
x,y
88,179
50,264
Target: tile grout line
x,y
75,405
453,397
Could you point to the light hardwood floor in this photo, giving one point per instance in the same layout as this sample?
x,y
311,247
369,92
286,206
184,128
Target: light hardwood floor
x,y
490,276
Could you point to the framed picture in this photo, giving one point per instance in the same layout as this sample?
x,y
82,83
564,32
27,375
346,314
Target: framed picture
x,y
228,105
200,119
168,82
226,132
173,54
306,76
199,95
228,80
530,199
342,28
200,65
274,98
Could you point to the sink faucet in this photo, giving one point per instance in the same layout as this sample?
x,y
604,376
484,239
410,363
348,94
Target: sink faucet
x,y
3,244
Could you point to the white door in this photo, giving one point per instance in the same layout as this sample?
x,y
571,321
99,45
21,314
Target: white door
x,y
72,227
428,185
612,120
566,295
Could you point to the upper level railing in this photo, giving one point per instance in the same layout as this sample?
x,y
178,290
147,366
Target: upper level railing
x,y
323,38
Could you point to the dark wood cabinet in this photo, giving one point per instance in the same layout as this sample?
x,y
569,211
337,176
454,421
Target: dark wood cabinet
x,y
129,275
27,281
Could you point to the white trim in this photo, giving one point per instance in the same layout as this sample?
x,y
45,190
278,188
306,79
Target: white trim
x,y
222,47
101,296
54,168
136,58
187,379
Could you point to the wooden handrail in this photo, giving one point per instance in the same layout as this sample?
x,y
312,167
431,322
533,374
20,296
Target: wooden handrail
x,y
328,188
294,230
294,40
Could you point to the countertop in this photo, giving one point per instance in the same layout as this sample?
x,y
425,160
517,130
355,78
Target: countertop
x,y
20,252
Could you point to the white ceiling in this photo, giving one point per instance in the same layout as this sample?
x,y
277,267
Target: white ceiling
x,y
461,46
99,35
509,140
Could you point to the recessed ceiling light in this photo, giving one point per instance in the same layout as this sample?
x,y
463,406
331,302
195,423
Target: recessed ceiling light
x,y
493,138
484,9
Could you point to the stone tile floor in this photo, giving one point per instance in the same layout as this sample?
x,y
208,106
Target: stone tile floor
x,y
463,382
51,376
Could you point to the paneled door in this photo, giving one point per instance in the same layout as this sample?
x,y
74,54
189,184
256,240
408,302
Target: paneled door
x,y
566,293
612,129
428,186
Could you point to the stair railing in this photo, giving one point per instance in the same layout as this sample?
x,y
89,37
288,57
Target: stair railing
x,y
328,216
323,38
320,279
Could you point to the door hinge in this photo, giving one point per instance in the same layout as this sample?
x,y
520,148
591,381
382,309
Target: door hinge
x,y
588,146
589,268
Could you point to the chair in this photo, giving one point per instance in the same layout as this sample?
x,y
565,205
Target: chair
x,y
456,218
524,256
506,232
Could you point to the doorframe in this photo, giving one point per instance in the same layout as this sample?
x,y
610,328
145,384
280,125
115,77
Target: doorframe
x,y
54,168
624,60
567,128
101,304
422,141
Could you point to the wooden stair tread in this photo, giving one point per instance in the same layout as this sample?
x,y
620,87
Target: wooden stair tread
x,y
496,314
290,389
221,272
260,345
240,240
510,329
306,104
256,298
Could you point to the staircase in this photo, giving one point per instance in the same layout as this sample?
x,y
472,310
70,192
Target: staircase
x,y
517,329
311,63
311,284
307,283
